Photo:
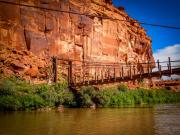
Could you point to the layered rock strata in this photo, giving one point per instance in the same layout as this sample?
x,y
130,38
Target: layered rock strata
x,y
74,29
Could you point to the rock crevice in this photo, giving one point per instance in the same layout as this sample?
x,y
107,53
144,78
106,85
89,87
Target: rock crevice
x,y
67,35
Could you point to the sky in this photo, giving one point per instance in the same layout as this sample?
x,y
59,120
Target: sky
x,y
165,42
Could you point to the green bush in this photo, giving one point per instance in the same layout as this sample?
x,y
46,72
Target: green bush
x,y
41,88
122,88
111,97
60,86
7,87
31,101
9,103
68,99
49,96
85,97
16,94
103,98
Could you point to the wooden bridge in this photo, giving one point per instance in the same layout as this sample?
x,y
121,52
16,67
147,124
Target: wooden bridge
x,y
80,73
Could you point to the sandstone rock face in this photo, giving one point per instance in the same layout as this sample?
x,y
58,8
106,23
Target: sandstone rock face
x,y
22,64
48,33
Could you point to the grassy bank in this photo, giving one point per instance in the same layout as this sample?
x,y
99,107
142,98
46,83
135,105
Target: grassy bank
x,y
115,97
16,94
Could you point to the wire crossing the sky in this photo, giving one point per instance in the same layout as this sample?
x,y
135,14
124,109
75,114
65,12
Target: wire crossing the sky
x,y
89,15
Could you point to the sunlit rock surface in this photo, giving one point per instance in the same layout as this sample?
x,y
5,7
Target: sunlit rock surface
x,y
48,33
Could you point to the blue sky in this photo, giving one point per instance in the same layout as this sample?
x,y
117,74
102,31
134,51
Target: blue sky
x,y
163,12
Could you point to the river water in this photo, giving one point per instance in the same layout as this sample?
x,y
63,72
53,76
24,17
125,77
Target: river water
x,y
158,120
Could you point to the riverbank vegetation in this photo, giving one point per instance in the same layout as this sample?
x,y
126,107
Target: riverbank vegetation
x,y
16,94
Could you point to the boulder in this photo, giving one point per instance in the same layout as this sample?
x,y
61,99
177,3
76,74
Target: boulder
x,y
32,71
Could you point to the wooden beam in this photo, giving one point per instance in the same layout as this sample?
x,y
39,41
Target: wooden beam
x,y
54,64
69,72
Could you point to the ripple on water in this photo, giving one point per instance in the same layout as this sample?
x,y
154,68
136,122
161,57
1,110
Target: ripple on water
x,y
159,120
167,119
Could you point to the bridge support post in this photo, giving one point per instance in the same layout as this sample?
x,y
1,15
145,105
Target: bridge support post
x,y
83,73
169,66
88,79
108,73
54,67
149,69
97,78
134,70
130,72
158,64
70,73
74,78
102,80
159,68
122,72
95,75
160,71
119,71
114,73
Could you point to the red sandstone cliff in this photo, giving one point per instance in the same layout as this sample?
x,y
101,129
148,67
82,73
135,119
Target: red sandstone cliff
x,y
48,33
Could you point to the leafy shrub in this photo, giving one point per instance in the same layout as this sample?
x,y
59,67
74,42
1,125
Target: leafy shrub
x,y
85,96
41,88
60,86
9,103
103,98
7,87
16,94
111,97
31,101
67,99
122,88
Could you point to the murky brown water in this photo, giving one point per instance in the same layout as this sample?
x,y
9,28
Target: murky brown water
x,y
159,120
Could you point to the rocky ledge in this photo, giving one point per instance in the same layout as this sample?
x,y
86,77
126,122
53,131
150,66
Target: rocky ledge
x,y
89,34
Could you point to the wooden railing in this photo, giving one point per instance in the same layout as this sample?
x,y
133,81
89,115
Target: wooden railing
x,y
80,73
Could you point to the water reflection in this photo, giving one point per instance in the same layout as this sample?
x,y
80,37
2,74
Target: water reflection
x,y
122,121
167,119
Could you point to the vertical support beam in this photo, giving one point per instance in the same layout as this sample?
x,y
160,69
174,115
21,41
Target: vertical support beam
x,y
160,71
141,70
169,64
95,74
149,68
130,72
54,64
134,69
88,75
88,78
159,68
70,73
75,79
83,73
108,73
119,71
122,72
97,78
114,73
102,79
158,65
